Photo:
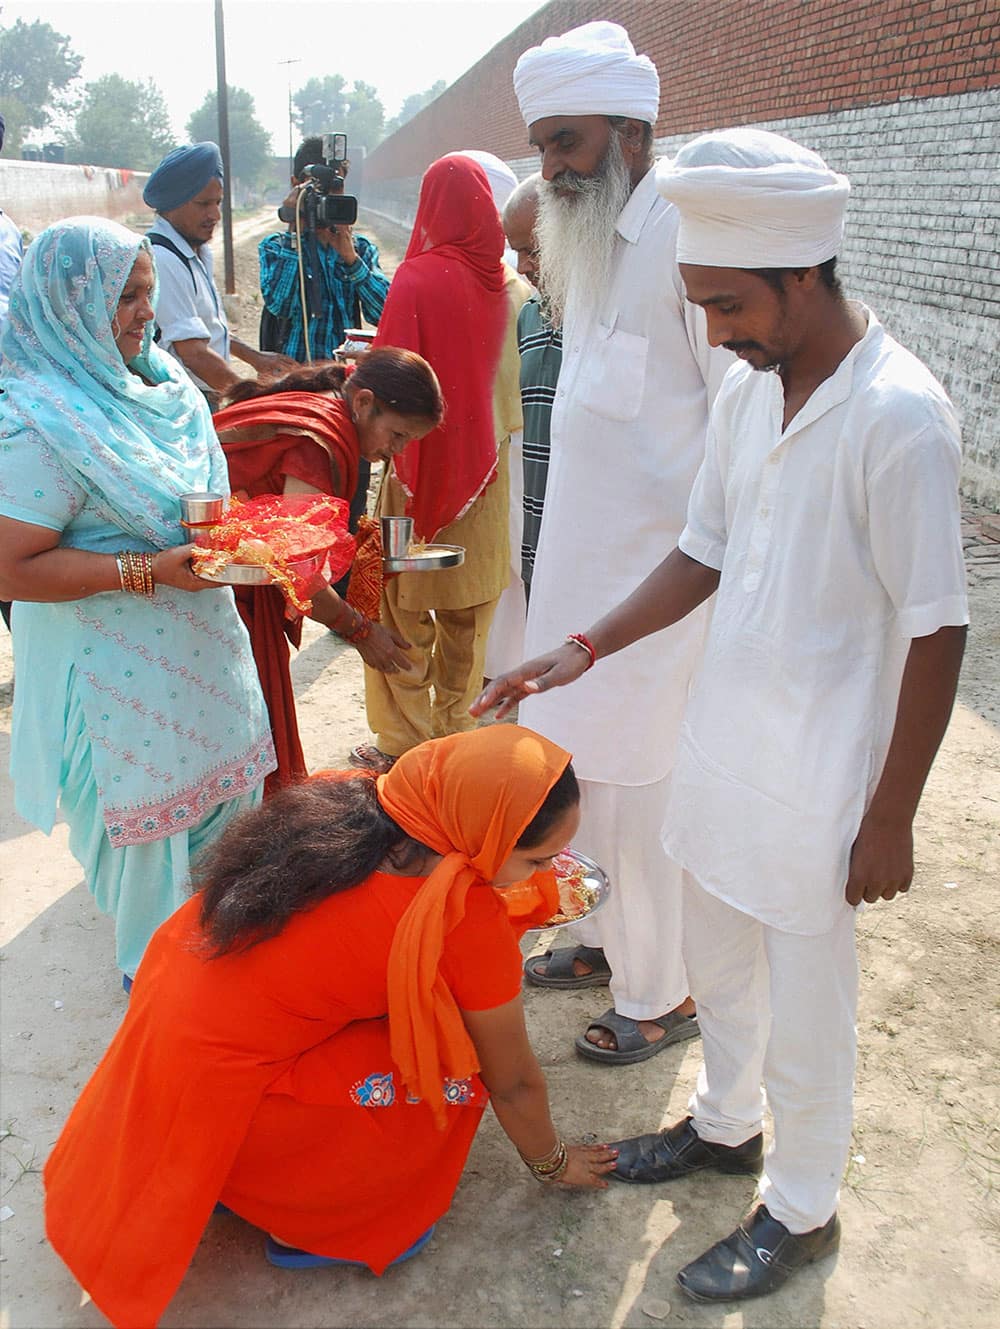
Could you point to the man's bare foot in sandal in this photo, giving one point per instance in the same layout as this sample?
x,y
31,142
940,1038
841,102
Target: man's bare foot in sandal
x,y
568,967
617,1040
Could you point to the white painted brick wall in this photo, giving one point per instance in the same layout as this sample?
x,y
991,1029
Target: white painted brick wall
x,y
922,246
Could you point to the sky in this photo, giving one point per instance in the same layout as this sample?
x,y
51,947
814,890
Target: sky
x,y
400,46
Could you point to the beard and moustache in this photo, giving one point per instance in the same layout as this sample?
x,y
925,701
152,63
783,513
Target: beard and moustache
x,y
575,230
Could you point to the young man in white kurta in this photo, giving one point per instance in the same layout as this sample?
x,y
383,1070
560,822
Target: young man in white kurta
x,y
627,438
826,515
838,542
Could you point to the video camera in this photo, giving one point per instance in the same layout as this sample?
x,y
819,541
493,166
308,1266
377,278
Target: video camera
x,y
322,203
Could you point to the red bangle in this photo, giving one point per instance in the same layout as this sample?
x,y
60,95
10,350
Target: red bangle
x,y
578,639
361,632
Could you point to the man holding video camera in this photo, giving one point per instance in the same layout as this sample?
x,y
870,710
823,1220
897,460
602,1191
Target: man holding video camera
x,y
340,272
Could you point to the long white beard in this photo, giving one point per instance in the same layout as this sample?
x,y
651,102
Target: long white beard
x,y
575,231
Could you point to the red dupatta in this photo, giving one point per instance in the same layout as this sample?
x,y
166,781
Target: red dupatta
x,y
255,435
448,303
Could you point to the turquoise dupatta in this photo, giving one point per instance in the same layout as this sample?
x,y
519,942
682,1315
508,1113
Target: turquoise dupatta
x,y
163,690
133,448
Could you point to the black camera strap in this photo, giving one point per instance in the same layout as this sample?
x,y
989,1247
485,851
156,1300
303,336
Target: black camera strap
x,y
164,242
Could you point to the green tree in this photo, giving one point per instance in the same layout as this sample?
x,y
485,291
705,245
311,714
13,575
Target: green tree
x,y
414,103
37,67
249,141
365,116
122,124
327,105
321,106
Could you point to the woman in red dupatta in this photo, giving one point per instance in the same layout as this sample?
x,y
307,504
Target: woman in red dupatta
x,y
313,1038
450,302
305,433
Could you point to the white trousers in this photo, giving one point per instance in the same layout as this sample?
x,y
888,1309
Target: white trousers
x,y
779,1008
640,925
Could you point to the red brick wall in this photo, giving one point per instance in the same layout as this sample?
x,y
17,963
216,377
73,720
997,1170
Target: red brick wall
x,y
726,62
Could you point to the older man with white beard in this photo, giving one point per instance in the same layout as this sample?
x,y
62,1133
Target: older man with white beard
x,y
628,435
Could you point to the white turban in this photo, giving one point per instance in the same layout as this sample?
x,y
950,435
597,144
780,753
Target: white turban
x,y
502,179
592,70
751,199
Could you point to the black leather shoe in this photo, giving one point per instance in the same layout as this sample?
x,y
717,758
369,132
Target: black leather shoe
x,y
680,1151
756,1259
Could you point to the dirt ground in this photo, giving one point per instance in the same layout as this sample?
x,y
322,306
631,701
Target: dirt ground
x,y
920,1204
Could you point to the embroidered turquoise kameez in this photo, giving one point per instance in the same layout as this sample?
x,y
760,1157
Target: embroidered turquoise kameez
x,y
142,719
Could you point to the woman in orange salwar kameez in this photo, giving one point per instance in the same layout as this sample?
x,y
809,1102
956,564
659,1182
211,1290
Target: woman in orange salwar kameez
x,y
312,1039
306,433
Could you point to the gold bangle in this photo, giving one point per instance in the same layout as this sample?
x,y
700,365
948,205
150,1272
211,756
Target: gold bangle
x,y
553,1167
545,1158
135,572
558,1171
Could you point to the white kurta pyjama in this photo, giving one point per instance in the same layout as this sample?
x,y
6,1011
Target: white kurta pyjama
x,y
838,540
628,435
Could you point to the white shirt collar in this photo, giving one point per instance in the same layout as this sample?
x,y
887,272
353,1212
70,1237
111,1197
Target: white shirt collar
x,y
164,227
838,387
633,215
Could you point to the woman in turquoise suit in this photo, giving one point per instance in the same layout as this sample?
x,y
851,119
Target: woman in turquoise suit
x,y
137,708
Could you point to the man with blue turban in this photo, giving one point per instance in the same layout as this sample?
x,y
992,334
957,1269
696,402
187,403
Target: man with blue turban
x,y
186,192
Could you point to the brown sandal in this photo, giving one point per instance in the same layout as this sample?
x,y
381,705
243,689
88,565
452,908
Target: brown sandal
x,y
370,758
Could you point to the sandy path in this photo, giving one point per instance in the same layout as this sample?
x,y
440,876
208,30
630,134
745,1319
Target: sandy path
x,y
920,1211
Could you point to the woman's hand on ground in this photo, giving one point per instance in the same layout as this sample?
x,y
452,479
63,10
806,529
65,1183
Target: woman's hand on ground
x,y
384,650
555,670
589,1165
172,567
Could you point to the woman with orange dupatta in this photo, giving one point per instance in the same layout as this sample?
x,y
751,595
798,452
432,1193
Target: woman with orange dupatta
x,y
312,1039
452,301
305,433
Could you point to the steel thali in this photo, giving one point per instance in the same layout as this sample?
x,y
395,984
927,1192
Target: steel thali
x,y
593,890
426,558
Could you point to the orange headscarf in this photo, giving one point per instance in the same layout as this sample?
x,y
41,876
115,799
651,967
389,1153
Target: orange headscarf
x,y
469,797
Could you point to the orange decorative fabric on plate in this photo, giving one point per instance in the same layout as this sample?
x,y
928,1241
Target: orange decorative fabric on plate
x,y
301,540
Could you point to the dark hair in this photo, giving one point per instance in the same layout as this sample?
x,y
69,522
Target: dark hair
x,y
310,153
322,376
305,843
309,841
563,795
400,380
775,277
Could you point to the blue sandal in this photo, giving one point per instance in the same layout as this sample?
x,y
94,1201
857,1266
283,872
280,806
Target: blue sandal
x,y
290,1257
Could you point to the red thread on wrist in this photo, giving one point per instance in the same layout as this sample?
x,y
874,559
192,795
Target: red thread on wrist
x,y
578,639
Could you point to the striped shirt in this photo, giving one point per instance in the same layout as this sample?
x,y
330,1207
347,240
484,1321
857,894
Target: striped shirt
x,y
540,346
347,292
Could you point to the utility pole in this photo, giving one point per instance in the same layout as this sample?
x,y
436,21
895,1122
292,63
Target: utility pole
x,y
291,141
222,97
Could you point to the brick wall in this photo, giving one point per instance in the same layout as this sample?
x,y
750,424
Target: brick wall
x,y
726,62
903,97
